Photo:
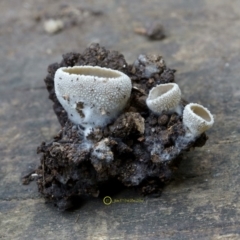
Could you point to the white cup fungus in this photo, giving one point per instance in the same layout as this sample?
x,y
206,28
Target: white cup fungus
x,y
92,96
197,118
164,97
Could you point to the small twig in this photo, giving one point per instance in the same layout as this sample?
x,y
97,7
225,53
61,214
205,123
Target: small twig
x,y
77,218
64,141
28,178
228,141
43,172
140,30
29,174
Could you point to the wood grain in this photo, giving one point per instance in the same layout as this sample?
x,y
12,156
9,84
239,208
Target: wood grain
x,y
202,43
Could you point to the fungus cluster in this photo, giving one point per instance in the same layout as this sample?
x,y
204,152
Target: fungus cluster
x,y
196,118
121,123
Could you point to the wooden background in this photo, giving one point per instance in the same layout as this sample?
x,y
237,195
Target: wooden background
x,y
203,44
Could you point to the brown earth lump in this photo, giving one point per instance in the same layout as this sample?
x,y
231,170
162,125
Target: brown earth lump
x,y
138,149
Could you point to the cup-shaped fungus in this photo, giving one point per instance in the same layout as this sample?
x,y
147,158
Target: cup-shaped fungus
x,y
197,118
92,96
164,97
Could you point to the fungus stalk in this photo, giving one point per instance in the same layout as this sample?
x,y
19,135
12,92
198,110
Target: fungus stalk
x,y
92,96
197,119
164,97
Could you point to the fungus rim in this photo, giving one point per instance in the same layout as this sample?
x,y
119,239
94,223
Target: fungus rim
x,y
93,71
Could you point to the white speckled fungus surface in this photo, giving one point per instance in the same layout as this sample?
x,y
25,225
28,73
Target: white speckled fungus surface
x,y
197,118
164,97
92,96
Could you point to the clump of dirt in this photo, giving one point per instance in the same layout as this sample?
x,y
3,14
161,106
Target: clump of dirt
x,y
138,149
64,16
154,31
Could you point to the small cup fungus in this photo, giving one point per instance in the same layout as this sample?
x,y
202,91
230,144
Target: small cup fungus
x,y
92,96
197,118
164,97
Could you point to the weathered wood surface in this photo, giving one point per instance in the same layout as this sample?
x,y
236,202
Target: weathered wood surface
x,y
203,44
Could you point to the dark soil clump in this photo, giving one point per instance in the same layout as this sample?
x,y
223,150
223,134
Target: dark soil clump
x,y
139,149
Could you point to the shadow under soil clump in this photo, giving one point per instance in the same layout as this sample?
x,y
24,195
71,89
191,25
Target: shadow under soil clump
x,y
138,149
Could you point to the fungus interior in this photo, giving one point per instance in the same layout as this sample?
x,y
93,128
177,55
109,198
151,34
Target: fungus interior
x,y
201,112
96,72
160,90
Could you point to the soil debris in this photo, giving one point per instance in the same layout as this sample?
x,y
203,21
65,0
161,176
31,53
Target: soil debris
x,y
154,31
64,16
138,149
53,26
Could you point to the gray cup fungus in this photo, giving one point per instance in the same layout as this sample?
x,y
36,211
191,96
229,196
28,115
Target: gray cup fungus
x,y
197,118
92,96
164,97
